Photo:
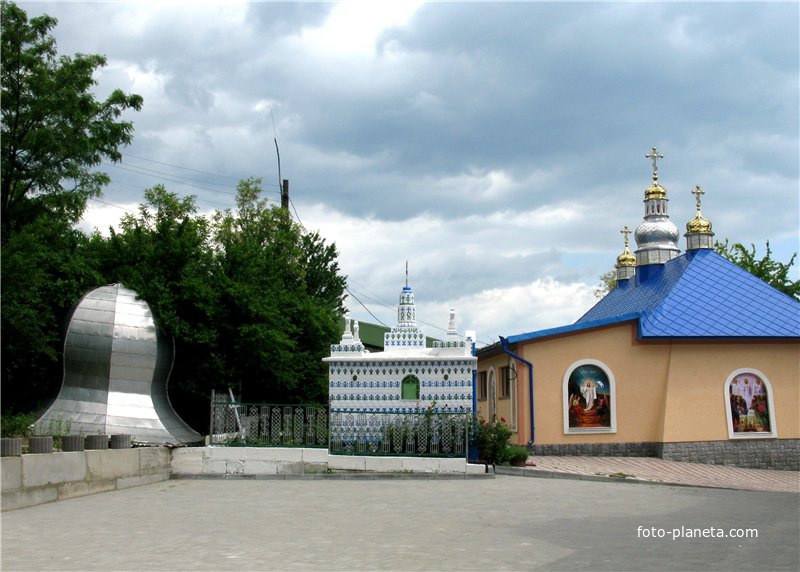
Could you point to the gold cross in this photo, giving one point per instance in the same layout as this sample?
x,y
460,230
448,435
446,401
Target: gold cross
x,y
698,192
655,156
625,231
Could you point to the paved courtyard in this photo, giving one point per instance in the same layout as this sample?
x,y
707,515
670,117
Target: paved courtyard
x,y
507,523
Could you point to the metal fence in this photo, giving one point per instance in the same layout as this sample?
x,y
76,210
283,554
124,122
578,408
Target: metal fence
x,y
343,432
425,434
268,425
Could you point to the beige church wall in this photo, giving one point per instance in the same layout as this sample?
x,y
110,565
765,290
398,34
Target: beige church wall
x,y
696,401
639,372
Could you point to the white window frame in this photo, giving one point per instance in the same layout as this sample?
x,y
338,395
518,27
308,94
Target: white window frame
x,y
565,399
773,422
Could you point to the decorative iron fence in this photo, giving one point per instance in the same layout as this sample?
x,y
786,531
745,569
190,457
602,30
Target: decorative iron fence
x,y
424,434
268,425
343,432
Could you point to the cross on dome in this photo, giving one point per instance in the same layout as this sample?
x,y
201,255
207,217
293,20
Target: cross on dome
x,y
625,232
698,192
655,156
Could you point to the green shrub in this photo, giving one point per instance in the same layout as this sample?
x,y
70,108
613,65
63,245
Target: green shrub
x,y
491,439
19,425
516,453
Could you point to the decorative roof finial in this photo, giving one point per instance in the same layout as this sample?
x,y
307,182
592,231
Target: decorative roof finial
x,y
698,192
698,230
626,262
406,273
655,156
625,232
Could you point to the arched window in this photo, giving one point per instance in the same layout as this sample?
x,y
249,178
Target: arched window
x,y
410,387
590,398
749,406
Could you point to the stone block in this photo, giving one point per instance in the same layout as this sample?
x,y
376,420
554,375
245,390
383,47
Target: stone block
x,y
29,497
11,472
315,455
287,468
53,469
212,466
153,460
83,488
112,463
129,482
260,468
234,467
315,468
285,454
384,464
186,464
452,465
421,464
474,469
346,463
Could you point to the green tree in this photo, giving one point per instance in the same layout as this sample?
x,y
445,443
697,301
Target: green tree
x,y
45,271
774,273
54,131
608,281
282,295
164,254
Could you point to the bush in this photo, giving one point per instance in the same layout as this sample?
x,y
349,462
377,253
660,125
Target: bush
x,y
491,439
516,454
19,425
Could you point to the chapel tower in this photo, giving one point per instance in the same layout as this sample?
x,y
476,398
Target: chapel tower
x,y
657,236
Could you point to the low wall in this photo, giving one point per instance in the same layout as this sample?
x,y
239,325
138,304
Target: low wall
x,y
39,478
781,454
258,461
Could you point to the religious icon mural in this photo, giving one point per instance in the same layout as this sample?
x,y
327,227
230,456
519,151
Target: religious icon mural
x,y
749,403
589,398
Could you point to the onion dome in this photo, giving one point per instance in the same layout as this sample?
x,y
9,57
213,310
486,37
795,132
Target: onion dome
x,y
698,230
626,262
657,236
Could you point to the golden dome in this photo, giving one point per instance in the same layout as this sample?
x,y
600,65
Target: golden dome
x,y
626,259
655,191
698,224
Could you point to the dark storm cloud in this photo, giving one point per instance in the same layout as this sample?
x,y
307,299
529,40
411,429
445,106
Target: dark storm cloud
x,y
469,114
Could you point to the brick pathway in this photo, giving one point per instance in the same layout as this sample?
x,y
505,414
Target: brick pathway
x,y
660,470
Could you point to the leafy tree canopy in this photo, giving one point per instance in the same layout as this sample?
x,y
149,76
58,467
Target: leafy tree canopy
x,y
54,131
774,273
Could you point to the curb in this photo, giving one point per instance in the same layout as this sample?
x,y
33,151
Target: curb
x,y
340,477
538,474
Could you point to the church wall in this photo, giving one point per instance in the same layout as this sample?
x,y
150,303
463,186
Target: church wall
x,y
639,373
696,403
670,396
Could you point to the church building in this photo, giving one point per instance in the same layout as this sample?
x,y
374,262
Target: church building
x,y
688,358
407,376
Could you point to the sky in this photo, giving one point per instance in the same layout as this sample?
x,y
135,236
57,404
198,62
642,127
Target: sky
x,y
499,148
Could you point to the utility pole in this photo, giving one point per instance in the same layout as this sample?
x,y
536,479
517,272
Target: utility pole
x,y
285,195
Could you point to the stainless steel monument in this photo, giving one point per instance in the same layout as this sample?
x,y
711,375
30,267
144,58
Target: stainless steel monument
x,y
116,369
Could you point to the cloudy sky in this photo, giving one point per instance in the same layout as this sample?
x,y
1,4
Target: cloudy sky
x,y
499,148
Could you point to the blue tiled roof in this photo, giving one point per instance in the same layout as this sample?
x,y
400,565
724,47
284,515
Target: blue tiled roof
x,y
699,295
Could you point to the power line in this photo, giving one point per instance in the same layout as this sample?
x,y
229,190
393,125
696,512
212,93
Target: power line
x,y
367,309
190,169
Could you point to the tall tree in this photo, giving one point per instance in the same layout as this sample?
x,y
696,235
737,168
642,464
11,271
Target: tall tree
x,y
774,273
282,294
164,253
54,131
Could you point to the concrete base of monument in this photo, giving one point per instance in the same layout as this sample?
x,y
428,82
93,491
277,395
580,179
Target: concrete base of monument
x,y
255,462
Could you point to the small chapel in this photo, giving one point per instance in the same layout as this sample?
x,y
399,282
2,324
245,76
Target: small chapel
x,y
688,358
407,376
